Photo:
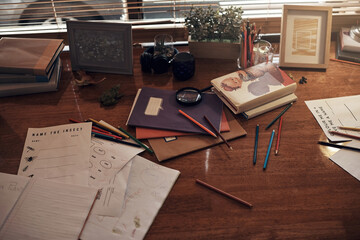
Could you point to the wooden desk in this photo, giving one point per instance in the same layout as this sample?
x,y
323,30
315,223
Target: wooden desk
x,y
301,195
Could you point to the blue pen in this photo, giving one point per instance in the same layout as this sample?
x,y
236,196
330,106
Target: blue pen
x,y
268,151
256,143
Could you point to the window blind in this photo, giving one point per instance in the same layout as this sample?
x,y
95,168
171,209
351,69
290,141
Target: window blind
x,y
20,16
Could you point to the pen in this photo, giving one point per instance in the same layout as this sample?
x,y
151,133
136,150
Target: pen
x,y
218,133
102,136
224,193
283,111
278,136
268,150
338,146
136,140
256,143
345,135
197,123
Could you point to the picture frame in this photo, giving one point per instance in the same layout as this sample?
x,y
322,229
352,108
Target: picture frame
x,y
100,46
305,36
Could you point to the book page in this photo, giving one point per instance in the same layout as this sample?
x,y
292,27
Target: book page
x,y
49,210
60,153
11,187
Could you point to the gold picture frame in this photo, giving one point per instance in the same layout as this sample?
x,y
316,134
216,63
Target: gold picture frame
x,y
305,36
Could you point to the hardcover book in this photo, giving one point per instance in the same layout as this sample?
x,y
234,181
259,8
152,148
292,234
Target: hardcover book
x,y
252,87
158,108
13,89
347,43
29,55
344,55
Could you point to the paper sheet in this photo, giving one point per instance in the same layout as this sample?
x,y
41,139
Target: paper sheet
x,y
60,153
49,210
333,112
11,186
148,186
349,160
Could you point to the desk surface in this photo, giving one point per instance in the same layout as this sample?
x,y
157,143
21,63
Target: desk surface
x,y
301,195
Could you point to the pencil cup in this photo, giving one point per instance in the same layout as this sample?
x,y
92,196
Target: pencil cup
x,y
262,52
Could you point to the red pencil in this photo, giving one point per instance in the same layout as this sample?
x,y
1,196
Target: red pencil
x,y
345,135
278,137
93,127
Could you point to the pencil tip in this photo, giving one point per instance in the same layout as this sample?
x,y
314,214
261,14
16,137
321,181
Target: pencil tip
x,y
231,148
276,152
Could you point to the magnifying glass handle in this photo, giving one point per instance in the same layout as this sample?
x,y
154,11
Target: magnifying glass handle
x,y
205,89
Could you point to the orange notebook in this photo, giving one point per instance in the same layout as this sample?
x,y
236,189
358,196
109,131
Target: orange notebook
x,y
146,133
29,55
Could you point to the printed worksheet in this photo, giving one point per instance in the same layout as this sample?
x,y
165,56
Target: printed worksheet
x,y
59,153
148,186
109,171
331,113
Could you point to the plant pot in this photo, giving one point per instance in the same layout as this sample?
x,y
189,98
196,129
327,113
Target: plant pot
x,y
217,50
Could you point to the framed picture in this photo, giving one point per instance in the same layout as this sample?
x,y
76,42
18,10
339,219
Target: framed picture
x,y
305,36
100,46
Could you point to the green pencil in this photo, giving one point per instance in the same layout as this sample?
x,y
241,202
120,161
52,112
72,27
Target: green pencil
x,y
283,111
136,140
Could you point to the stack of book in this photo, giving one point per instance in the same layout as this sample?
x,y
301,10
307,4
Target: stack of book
x,y
255,90
29,65
347,49
156,116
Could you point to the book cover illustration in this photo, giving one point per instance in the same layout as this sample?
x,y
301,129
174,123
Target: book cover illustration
x,y
254,86
347,43
158,108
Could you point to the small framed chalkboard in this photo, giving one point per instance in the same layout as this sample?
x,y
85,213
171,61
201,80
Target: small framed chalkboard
x,y
100,46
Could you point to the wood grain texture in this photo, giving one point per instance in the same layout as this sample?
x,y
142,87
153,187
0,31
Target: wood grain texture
x,y
301,195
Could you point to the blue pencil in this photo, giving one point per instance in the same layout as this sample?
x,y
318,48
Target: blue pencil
x,y
256,143
268,151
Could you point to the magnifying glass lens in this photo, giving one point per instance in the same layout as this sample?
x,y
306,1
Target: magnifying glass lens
x,y
188,96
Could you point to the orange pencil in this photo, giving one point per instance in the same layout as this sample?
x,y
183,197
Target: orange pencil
x,y
224,193
345,135
343,61
197,123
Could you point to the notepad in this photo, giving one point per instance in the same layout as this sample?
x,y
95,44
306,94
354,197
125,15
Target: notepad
x,y
47,210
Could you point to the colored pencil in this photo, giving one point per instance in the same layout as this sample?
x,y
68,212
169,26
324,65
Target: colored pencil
x,y
218,133
93,127
338,146
283,111
108,127
345,135
268,150
256,143
136,140
343,61
110,135
87,217
224,193
278,136
102,136
197,123
349,128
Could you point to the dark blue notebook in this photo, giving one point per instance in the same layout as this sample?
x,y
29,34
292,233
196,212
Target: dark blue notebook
x,y
158,108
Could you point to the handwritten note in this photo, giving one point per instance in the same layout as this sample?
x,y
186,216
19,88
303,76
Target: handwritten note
x,y
331,113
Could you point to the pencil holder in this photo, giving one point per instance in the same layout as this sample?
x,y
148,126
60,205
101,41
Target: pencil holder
x,y
262,52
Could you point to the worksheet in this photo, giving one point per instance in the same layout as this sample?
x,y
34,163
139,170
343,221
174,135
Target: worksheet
x,y
148,186
331,113
59,153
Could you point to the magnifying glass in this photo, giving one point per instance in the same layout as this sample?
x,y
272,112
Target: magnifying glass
x,y
190,96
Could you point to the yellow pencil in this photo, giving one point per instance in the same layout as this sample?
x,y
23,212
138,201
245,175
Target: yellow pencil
x,y
108,127
349,128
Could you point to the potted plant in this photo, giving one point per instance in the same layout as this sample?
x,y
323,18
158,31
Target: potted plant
x,y
214,33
